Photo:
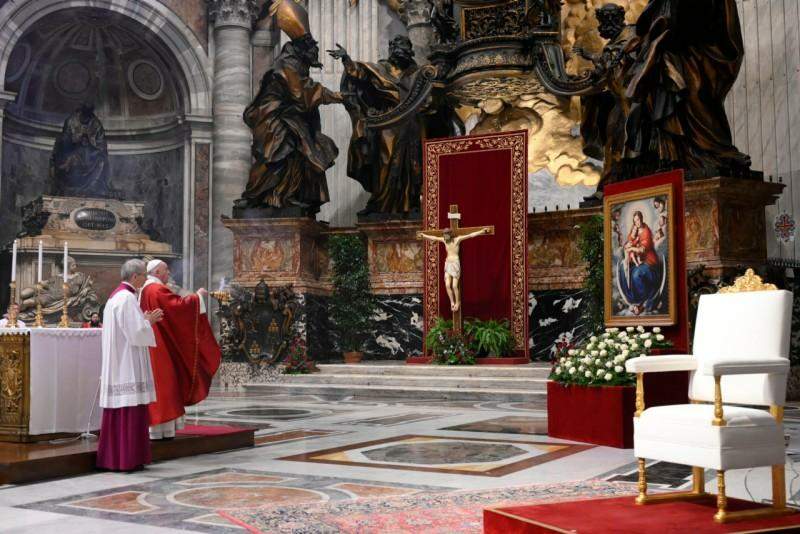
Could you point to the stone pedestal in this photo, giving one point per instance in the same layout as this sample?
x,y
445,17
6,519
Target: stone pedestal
x,y
726,224
281,252
554,260
395,256
725,230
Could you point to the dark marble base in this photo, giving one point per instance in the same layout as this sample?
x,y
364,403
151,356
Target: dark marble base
x,y
396,333
396,328
556,316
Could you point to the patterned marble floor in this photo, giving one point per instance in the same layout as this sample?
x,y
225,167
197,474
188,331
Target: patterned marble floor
x,y
310,451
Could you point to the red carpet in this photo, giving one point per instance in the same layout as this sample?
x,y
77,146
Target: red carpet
x,y
203,430
619,515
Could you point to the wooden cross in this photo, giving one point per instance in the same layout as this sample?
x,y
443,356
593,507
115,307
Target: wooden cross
x,y
455,231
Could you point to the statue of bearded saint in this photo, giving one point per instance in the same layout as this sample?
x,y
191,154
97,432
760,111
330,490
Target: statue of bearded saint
x,y
387,161
663,84
290,152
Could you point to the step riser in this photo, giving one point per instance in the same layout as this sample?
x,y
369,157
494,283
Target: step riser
x,y
430,382
447,371
379,393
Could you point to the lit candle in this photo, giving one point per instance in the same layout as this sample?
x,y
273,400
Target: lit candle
x,y
66,252
14,262
39,270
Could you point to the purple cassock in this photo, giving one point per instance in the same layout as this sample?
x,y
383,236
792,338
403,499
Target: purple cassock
x,y
124,431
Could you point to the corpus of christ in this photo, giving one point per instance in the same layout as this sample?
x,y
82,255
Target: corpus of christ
x,y
409,266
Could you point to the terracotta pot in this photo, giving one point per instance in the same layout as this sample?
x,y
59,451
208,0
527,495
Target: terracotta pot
x,y
353,357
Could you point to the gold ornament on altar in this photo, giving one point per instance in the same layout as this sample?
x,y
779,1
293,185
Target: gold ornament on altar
x,y
749,281
12,307
64,310
39,321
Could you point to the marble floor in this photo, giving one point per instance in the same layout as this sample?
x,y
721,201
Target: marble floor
x,y
312,451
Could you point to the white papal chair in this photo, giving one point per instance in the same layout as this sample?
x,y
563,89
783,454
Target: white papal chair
x,y
741,347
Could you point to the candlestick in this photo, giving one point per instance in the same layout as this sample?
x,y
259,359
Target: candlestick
x,y
12,311
66,252
14,261
64,316
39,322
39,268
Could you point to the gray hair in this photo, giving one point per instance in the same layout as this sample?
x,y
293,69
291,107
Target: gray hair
x,y
131,267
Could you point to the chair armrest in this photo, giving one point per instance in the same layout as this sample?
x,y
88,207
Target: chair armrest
x,y
745,367
661,364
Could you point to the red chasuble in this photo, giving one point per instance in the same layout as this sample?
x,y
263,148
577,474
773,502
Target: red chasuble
x,y
186,355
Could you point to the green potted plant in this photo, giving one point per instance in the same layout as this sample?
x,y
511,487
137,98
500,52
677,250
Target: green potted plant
x,y
448,347
351,304
490,338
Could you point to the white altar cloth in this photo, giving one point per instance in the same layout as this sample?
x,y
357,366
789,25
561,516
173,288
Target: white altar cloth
x,y
64,378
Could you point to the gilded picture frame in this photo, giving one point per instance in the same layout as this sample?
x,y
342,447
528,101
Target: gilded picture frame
x,y
639,258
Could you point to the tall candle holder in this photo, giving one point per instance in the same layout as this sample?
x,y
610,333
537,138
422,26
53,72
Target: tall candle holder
x,y
39,322
64,315
12,310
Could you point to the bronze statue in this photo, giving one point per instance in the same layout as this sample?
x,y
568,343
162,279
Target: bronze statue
x,y
290,152
79,162
688,56
387,160
82,296
655,99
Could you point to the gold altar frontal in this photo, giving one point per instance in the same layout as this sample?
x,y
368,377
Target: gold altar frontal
x,y
15,376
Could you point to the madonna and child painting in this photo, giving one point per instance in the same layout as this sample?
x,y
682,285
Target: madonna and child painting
x,y
639,258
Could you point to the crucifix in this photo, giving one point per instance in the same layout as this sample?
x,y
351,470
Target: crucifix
x,y
451,238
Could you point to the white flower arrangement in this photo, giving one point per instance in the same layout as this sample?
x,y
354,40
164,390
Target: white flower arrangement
x,y
600,360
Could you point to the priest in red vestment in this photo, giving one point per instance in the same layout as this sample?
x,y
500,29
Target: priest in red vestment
x,y
186,354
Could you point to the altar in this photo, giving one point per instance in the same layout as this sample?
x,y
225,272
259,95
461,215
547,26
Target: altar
x,y
49,380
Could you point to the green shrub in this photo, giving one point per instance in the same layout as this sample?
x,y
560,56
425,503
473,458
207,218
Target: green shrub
x,y
351,304
490,338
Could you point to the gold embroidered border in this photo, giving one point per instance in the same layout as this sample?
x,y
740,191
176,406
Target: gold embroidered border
x,y
516,143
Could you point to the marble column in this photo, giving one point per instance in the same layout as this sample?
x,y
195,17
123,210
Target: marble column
x,y
233,21
417,18
6,98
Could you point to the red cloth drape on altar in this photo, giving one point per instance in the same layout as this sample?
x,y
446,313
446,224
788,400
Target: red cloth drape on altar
x,y
486,176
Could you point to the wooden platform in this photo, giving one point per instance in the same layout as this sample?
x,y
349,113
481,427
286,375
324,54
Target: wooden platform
x,y
619,515
32,462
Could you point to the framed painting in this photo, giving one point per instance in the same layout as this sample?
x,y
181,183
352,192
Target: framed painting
x,y
640,267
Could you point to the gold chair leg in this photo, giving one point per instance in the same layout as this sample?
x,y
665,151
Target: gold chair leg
x,y
722,500
778,487
642,498
698,480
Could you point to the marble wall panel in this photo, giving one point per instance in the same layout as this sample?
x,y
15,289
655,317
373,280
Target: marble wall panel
x,y
396,330
556,316
157,180
202,155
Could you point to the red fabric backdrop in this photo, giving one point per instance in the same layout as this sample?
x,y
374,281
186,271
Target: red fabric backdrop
x,y
487,177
